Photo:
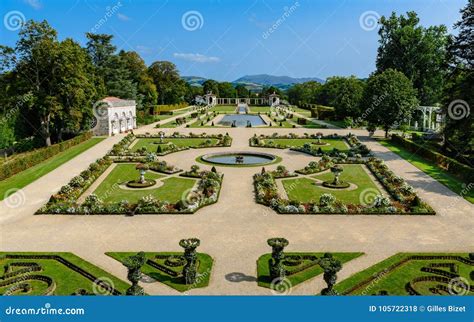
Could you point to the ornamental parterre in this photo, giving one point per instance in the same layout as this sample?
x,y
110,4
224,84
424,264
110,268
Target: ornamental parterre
x,y
402,197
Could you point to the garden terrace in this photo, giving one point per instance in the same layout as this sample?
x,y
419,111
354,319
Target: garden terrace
x,y
414,274
55,274
305,197
314,144
167,267
362,188
142,145
112,193
298,267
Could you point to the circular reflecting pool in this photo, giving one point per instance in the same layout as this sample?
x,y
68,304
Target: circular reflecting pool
x,y
239,158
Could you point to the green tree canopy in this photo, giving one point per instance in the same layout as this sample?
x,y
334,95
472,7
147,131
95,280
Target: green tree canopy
x,y
388,99
342,93
418,52
304,93
458,101
167,81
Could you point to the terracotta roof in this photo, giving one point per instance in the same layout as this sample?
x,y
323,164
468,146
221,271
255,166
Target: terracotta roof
x,y
117,102
111,99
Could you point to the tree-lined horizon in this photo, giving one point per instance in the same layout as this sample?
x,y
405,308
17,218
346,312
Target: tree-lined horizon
x,y
48,86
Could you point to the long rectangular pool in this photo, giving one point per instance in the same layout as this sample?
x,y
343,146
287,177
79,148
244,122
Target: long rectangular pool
x,y
242,120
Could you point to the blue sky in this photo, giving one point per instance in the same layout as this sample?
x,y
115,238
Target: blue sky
x,y
225,39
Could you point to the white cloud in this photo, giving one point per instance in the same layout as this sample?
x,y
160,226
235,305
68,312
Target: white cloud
x,y
198,58
123,17
35,4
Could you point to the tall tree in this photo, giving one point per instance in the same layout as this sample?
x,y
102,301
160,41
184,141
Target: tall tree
x,y
304,93
37,57
388,99
342,93
211,85
416,51
74,88
459,103
242,91
166,78
226,89
147,94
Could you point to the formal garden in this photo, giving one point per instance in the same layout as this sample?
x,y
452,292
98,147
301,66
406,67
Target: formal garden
x,y
280,271
152,186
181,271
316,144
159,144
414,274
55,274
339,185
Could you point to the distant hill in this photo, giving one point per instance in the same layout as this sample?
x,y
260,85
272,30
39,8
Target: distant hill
x,y
271,80
194,80
257,82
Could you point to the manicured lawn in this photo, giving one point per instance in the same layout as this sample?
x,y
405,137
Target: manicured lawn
x,y
305,189
340,124
151,143
311,125
432,170
394,281
261,109
177,282
263,270
333,143
223,108
171,191
301,111
26,177
67,280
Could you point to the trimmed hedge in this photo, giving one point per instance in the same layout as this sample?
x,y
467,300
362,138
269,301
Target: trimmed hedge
x,y
27,160
464,172
159,109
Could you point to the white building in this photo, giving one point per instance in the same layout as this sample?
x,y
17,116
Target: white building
x,y
114,115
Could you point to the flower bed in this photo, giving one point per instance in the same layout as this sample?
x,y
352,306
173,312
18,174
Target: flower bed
x,y
66,200
314,148
280,172
122,149
405,199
